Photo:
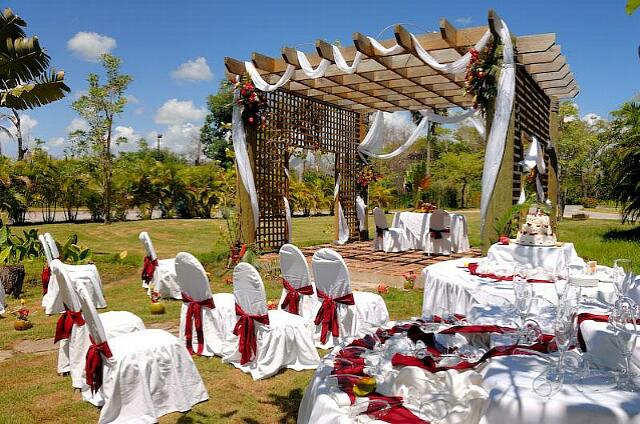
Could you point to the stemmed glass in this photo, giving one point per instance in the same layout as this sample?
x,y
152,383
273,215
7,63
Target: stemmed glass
x,y
622,321
621,280
523,295
560,280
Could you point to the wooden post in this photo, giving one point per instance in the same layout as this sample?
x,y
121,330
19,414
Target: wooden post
x,y
502,197
552,169
245,214
364,235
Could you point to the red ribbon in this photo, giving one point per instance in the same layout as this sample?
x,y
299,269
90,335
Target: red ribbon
x,y
292,299
194,316
245,330
437,234
45,276
473,269
93,365
148,269
65,324
328,314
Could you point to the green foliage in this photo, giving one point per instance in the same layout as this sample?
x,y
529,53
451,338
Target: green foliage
x,y
15,249
215,133
507,223
589,202
73,253
632,5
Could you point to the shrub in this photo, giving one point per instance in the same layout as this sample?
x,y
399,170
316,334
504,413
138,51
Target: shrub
x,y
589,202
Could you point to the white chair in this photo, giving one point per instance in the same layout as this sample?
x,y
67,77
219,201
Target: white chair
x,y
267,340
438,238
138,376
299,293
71,331
206,320
388,239
459,233
87,275
356,312
161,273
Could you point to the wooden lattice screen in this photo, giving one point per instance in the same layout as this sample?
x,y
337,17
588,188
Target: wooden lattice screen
x,y
295,121
532,111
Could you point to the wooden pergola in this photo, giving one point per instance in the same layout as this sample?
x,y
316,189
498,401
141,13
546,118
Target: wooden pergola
x,y
403,81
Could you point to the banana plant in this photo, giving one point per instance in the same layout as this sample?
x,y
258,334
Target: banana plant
x,y
73,253
15,249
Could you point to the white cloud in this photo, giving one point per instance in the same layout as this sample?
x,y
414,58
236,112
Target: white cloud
x,y
77,124
180,138
463,20
27,123
132,99
177,112
138,111
90,45
193,71
56,142
591,119
398,126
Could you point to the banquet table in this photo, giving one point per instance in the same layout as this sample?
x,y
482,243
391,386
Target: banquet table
x,y
450,288
547,257
416,226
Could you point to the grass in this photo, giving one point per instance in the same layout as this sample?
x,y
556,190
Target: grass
x,y
30,390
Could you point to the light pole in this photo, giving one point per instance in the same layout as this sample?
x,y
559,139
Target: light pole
x,y
159,136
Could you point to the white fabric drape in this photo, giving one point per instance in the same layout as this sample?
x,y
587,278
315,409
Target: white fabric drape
x,y
343,226
457,67
261,84
242,156
534,158
341,63
498,135
308,69
287,217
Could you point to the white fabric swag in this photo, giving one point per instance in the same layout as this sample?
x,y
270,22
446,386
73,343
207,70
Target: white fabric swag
x,y
498,135
534,158
343,226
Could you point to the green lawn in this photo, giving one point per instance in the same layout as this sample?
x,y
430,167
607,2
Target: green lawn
x,y
30,390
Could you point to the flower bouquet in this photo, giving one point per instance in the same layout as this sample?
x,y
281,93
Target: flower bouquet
x,y
409,280
253,103
22,322
156,307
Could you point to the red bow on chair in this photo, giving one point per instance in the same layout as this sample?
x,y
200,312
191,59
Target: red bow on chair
x,y
245,330
437,234
194,316
328,314
66,322
46,275
292,299
148,269
93,365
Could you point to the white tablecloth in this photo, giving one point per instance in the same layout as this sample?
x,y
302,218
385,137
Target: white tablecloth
x,y
416,226
449,288
537,256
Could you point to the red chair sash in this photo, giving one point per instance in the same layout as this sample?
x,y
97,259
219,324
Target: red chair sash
x,y
437,234
45,276
292,299
93,365
148,269
194,316
65,324
328,314
245,330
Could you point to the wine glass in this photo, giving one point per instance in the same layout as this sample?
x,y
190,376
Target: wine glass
x,y
621,272
560,280
374,408
622,321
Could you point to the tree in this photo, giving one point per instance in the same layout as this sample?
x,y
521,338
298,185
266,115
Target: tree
x,y
99,107
632,5
215,134
27,81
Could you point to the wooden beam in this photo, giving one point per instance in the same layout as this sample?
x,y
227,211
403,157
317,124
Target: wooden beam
x,y
539,68
557,83
449,33
548,76
234,66
535,43
492,19
564,91
540,57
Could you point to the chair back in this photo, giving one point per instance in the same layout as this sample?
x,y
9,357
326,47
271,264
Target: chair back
x,y
331,273
248,289
294,266
91,318
191,277
361,211
68,292
440,219
148,246
380,219
53,247
45,248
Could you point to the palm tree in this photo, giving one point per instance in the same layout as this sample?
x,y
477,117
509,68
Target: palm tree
x,y
625,133
26,81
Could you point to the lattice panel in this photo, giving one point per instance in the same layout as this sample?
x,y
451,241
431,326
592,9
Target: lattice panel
x,y
532,108
294,121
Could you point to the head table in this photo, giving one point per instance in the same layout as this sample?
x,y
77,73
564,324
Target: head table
x,y
547,257
416,226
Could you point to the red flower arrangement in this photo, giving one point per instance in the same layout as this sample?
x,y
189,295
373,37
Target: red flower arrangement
x,y
409,279
383,288
504,240
480,79
272,304
367,175
253,103
425,207
155,297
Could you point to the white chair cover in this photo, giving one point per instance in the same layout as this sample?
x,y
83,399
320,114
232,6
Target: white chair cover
x,y
332,277
87,275
149,374
459,233
3,300
388,239
164,277
72,351
217,323
287,341
361,210
294,269
45,248
440,220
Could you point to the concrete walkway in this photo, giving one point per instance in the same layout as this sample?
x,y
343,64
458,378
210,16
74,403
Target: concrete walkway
x,y
570,210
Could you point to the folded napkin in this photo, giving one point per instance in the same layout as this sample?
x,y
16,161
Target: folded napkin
x,y
603,346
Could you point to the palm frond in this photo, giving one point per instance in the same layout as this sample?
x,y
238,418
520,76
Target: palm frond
x,y
11,25
22,59
43,91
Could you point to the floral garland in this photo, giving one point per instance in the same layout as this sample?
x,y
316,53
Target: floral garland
x,y
367,175
253,103
481,76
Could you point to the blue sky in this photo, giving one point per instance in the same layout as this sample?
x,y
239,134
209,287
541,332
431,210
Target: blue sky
x,y
155,37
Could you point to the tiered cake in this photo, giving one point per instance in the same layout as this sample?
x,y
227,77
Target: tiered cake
x,y
536,231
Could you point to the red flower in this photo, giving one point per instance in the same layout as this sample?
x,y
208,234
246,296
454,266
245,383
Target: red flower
x,y
504,240
382,288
